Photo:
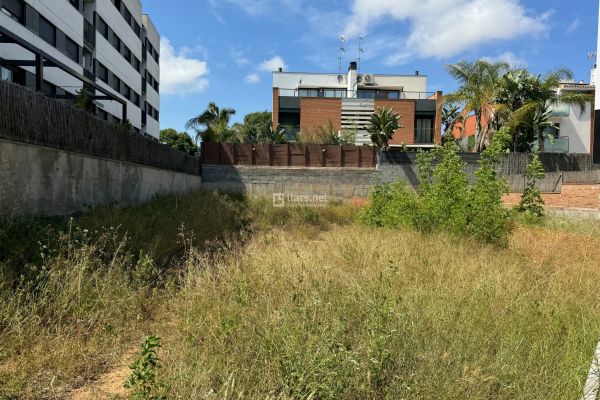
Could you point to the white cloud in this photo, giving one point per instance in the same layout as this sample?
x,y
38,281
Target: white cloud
x,y
511,58
179,73
252,78
574,25
444,28
239,56
272,64
258,7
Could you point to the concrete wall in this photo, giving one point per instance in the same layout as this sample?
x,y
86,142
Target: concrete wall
x,y
41,181
348,183
335,183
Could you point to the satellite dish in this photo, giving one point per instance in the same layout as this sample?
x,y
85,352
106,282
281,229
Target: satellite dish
x,y
340,78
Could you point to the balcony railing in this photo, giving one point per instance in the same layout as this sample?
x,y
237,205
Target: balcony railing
x,y
365,94
558,145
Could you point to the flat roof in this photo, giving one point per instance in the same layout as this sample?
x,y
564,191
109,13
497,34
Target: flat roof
x,y
344,73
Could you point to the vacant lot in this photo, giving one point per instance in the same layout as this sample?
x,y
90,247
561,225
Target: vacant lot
x,y
261,303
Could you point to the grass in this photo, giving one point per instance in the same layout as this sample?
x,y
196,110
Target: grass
x,y
301,303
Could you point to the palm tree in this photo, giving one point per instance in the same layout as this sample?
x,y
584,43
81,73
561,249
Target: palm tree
x,y
384,124
535,110
478,81
213,124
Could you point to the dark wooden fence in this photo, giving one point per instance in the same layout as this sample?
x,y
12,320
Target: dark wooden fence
x,y
289,155
29,117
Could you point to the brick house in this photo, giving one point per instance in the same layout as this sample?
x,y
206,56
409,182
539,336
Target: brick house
x,y
306,101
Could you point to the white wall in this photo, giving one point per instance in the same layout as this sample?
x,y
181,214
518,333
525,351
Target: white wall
x,y
292,80
577,127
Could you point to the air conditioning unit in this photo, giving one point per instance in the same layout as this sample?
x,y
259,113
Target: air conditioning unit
x,y
369,79
359,78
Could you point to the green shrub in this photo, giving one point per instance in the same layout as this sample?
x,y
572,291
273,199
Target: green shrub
x,y
144,372
445,200
532,202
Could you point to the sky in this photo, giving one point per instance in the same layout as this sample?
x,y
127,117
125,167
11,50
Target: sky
x,y
225,50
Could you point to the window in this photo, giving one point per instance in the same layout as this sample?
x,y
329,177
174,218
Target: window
x,y
127,54
102,73
137,29
136,63
308,92
424,131
47,31
116,42
116,84
14,9
6,74
335,93
102,27
136,99
366,94
72,49
74,3
155,86
126,91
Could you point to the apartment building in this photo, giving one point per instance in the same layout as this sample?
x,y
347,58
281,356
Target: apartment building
x,y
307,101
109,42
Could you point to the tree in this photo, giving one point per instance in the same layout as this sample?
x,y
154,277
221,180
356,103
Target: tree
x,y
478,82
178,140
213,125
532,202
451,116
257,127
384,123
530,99
83,100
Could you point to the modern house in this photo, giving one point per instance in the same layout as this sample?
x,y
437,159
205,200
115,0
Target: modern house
x,y
109,42
308,101
573,129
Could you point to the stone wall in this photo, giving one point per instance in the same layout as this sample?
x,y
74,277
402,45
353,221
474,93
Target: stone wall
x,y
36,180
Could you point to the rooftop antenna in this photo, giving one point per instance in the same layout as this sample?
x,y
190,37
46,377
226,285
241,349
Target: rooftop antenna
x,y
342,51
361,41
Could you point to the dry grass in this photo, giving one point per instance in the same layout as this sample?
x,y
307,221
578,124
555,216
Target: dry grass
x,y
305,304
365,313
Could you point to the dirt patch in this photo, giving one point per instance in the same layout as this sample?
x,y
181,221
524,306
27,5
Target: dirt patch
x,y
107,386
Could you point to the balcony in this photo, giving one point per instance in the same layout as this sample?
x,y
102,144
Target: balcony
x,y
368,94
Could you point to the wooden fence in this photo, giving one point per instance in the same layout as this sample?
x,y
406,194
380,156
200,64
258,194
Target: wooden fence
x,y
289,155
29,117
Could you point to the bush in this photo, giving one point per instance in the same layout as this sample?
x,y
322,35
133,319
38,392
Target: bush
x,y
446,201
532,203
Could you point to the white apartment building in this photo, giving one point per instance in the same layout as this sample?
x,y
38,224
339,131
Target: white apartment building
x,y
108,41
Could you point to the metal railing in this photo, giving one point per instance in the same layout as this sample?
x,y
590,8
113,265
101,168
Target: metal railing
x,y
366,94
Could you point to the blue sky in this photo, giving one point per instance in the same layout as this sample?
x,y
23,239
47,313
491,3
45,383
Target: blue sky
x,y
224,50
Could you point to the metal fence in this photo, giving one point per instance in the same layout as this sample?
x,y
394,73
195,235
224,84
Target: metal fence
x,y
30,117
289,155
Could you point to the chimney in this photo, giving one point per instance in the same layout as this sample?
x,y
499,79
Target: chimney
x,y
417,73
280,69
352,80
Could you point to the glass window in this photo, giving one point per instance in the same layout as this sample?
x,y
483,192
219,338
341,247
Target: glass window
x,y
102,27
6,74
47,31
116,42
116,84
127,53
14,9
394,95
102,73
366,94
424,131
74,3
72,50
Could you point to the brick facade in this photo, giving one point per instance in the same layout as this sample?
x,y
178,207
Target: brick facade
x,y
406,109
572,196
315,112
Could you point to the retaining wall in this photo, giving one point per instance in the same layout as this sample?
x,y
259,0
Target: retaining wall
x,y
37,180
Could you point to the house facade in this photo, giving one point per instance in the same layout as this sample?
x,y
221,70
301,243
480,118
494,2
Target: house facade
x,y
573,126
108,41
306,102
